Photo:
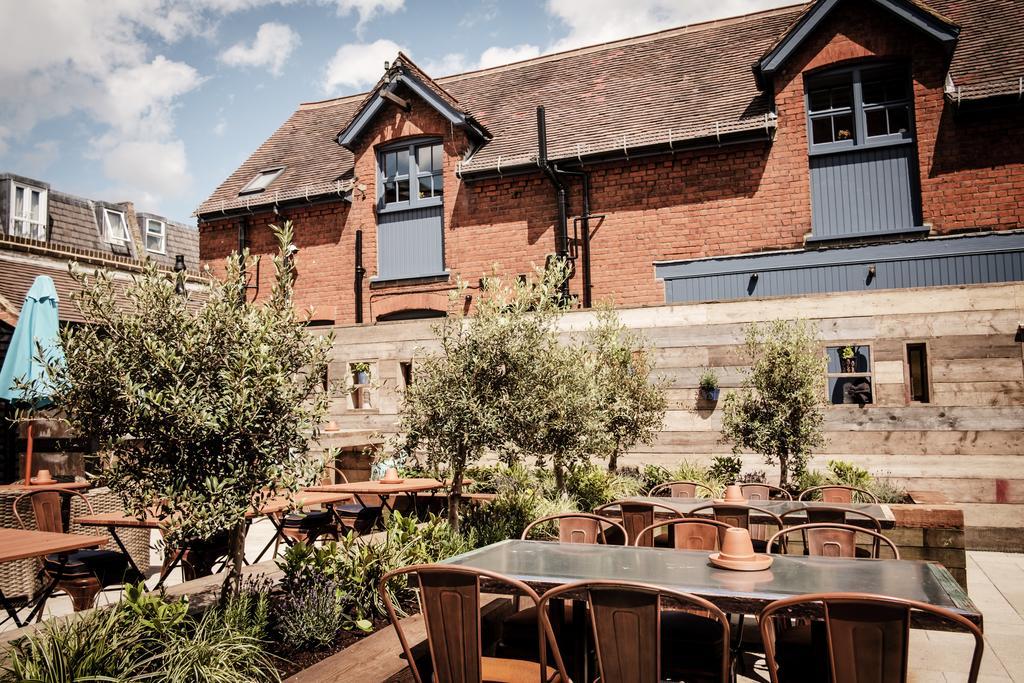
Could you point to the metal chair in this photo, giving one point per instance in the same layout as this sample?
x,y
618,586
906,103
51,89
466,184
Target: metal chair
x,y
764,492
738,515
866,638
82,574
680,489
833,540
581,527
687,533
837,493
636,515
825,514
627,622
450,604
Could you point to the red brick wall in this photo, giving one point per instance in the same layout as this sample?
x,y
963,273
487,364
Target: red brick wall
x,y
713,202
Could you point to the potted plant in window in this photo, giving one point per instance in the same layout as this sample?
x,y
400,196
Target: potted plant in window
x,y
709,389
361,373
848,358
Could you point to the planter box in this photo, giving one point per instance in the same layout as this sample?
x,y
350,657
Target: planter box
x,y
931,531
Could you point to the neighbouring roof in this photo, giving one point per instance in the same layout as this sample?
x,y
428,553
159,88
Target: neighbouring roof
x,y
21,261
76,223
677,85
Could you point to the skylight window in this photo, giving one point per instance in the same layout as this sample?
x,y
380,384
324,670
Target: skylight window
x,y
262,180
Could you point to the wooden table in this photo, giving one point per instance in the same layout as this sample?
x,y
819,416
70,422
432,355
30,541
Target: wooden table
x,y
113,521
779,507
544,565
63,486
20,544
407,487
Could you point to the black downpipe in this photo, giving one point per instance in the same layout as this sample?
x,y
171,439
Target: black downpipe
x,y
561,228
243,244
360,272
584,223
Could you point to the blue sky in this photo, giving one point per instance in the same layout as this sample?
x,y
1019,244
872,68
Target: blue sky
x,y
157,101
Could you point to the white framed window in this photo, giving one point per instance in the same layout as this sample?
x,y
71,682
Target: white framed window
x,y
28,212
114,225
156,236
262,180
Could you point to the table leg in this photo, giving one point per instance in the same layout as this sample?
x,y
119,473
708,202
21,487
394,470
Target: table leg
x,y
278,534
37,611
120,544
11,611
170,568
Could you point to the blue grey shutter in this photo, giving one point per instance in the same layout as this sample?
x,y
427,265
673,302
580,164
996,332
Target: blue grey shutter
x,y
865,191
410,243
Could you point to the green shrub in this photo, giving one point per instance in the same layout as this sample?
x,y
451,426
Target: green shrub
x,y
753,477
591,486
310,614
692,471
848,474
725,468
652,475
888,492
99,645
213,651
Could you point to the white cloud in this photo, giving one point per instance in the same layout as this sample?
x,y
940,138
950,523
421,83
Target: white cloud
x,y
150,170
220,128
270,49
451,63
496,56
597,21
358,65
367,9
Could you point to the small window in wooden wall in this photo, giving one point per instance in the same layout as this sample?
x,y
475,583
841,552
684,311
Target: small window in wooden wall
x,y
849,374
406,369
917,372
360,394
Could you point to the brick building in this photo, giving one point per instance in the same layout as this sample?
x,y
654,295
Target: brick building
x,y
866,133
856,162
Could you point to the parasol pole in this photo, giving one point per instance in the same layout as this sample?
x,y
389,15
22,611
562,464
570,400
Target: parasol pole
x,y
28,456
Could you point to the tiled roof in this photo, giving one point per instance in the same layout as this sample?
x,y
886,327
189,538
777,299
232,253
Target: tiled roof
x,y
76,223
672,86
22,260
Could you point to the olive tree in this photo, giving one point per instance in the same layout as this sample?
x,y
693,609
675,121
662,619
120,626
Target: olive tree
x,y
779,412
500,383
201,406
633,404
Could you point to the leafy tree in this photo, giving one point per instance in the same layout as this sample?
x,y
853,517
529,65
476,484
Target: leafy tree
x,y
492,386
202,404
633,406
779,412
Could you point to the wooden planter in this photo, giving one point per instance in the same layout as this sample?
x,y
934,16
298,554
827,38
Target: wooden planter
x,y
930,529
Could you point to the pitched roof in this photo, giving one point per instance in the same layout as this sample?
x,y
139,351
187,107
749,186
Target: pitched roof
x,y
660,88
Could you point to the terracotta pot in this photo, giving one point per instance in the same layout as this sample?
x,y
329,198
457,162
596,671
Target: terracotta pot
x,y
734,494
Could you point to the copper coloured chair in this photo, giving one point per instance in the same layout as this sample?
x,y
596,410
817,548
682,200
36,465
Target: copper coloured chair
x,y
581,527
635,515
82,574
681,489
764,492
739,515
686,533
450,604
865,638
630,641
824,514
835,540
838,493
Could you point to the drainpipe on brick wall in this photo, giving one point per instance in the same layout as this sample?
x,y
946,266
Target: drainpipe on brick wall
x,y
360,273
561,228
583,220
243,243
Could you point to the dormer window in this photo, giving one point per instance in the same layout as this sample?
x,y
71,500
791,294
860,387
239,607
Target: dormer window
x,y
156,236
114,226
28,212
411,176
262,180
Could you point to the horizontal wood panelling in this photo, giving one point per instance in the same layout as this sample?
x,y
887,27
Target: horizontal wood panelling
x,y
967,439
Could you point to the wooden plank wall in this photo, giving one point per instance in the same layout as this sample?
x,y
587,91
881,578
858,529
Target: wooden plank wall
x,y
968,442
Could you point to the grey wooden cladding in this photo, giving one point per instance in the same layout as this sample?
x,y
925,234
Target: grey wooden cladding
x,y
921,263
967,442
410,243
872,190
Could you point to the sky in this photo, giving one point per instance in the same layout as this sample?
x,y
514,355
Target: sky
x,y
157,101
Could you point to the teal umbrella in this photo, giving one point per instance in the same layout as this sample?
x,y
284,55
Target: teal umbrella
x,y
35,338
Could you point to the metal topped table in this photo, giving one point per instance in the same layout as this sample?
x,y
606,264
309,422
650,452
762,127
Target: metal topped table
x,y
780,507
544,565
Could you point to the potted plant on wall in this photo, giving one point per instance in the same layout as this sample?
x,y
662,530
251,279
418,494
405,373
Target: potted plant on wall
x,y
361,373
848,358
709,389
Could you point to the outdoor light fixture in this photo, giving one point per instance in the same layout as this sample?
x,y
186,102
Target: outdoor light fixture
x,y
179,268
